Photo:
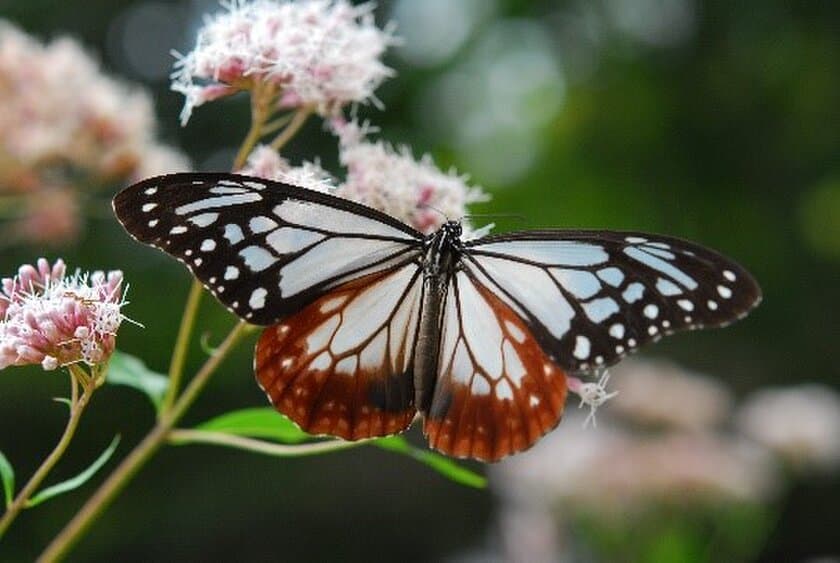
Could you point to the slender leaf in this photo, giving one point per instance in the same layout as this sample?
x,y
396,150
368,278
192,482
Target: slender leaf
x,y
443,465
78,480
125,369
7,474
257,423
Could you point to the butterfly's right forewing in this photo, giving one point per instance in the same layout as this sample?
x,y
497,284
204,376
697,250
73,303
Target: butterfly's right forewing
x,y
264,249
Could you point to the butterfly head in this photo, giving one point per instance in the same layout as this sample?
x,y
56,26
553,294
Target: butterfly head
x,y
453,230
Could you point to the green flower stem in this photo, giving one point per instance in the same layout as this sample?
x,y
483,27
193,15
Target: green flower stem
x,y
135,460
263,97
180,437
179,355
77,407
292,128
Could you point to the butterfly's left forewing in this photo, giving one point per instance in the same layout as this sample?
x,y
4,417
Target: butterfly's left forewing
x,y
590,297
264,249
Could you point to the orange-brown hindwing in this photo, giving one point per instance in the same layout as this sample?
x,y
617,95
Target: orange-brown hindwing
x,y
343,364
497,391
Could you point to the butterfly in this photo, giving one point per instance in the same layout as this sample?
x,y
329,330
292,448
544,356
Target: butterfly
x,y
369,322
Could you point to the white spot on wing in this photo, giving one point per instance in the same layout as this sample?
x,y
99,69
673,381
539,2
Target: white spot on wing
x,y
178,230
667,287
685,305
309,214
535,289
369,311
320,337
203,219
257,299
503,391
462,367
581,284
582,346
148,207
233,233
515,332
289,239
634,292
207,245
513,364
480,386
257,258
555,253
231,273
724,291
729,275
332,304
599,309
661,266
322,362
347,366
481,328
651,311
221,201
333,257
611,275
261,224
617,331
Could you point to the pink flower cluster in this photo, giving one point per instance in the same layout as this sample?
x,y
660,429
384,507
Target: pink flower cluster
x,y
390,180
52,319
319,53
67,126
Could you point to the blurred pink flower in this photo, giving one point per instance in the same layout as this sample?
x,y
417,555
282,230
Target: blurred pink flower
x,y
319,53
66,126
664,394
392,181
801,424
611,471
54,320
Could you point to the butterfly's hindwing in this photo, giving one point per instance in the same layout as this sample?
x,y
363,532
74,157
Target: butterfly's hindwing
x,y
590,297
264,249
497,391
342,365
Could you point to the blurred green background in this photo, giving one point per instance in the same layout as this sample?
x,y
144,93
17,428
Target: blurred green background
x,y
711,120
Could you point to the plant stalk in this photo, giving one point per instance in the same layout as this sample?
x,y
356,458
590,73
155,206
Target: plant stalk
x,y
77,407
179,355
135,460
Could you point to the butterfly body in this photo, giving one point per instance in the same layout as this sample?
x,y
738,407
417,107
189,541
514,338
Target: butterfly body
x,y
370,322
440,261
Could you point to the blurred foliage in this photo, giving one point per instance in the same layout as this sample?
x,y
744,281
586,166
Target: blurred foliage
x,y
727,135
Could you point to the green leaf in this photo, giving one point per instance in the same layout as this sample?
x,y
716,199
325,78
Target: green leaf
x,y
267,423
7,474
443,465
261,422
125,369
78,480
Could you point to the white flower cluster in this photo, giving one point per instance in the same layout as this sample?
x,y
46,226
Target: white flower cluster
x,y
319,53
65,126
52,319
265,162
392,181
801,424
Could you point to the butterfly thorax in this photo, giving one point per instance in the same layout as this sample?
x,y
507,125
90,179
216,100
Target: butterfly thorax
x,y
443,249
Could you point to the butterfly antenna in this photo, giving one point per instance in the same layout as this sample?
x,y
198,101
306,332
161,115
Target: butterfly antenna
x,y
517,216
433,208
